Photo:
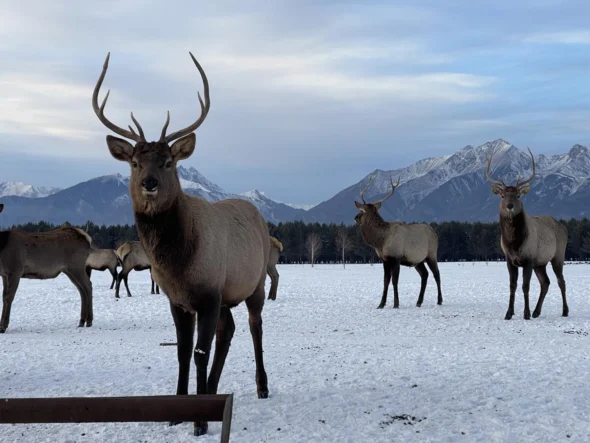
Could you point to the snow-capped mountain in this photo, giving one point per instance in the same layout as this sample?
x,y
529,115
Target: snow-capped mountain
x,y
454,187
21,189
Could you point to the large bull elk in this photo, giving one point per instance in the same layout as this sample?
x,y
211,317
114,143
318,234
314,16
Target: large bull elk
x,y
529,243
42,256
206,257
398,244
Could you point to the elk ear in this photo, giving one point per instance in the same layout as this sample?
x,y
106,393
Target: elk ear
x,y
496,190
359,206
377,205
183,147
120,149
524,190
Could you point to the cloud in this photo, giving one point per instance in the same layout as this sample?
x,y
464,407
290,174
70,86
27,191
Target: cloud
x,y
580,37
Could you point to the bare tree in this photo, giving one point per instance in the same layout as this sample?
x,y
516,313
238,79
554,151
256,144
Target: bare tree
x,y
313,245
343,242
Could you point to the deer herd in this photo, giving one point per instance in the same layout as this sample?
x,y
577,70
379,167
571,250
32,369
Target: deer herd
x,y
210,257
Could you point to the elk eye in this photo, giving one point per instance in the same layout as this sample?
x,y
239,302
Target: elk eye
x,y
168,164
134,164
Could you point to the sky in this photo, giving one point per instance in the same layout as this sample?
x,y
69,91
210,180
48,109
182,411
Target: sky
x,y
307,97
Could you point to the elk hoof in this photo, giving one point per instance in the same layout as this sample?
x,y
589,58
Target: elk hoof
x,y
381,306
2,330
117,296
174,422
201,429
508,316
395,306
128,295
418,305
439,302
536,313
263,394
527,315
89,324
565,313
81,324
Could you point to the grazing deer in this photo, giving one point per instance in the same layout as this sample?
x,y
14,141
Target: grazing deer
x,y
42,256
398,244
529,243
101,260
132,257
276,247
207,257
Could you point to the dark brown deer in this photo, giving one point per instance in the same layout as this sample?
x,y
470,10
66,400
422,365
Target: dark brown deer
x,y
42,256
132,257
206,257
101,260
276,247
529,243
397,243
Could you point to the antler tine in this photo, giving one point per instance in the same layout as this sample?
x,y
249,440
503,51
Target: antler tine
x,y
496,182
366,187
393,188
99,110
138,126
204,106
519,183
165,128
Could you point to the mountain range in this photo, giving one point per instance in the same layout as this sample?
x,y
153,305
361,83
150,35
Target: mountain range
x,y
451,187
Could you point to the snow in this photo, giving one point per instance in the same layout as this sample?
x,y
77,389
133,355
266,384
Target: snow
x,y
21,189
339,370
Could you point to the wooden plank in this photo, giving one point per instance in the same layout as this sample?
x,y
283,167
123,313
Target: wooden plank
x,y
227,415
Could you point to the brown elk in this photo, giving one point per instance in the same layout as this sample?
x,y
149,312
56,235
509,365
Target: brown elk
x,y
132,257
42,256
207,257
276,247
101,260
398,244
529,243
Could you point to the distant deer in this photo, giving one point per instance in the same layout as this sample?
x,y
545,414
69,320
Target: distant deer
x,y
101,260
398,244
207,257
132,257
276,247
529,243
41,256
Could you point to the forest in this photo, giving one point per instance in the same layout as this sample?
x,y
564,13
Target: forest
x,y
331,243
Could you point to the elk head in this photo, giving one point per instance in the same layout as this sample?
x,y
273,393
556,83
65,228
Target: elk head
x,y
511,204
154,184
371,209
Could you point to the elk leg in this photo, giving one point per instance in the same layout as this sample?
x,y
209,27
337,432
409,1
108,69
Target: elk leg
x,y
8,293
395,266
125,280
224,334
527,273
184,323
424,279
84,286
513,272
255,304
115,275
274,282
88,271
544,281
207,319
118,285
433,265
157,289
386,281
558,269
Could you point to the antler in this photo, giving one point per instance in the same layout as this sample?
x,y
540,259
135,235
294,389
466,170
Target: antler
x,y
365,188
498,183
99,110
204,110
520,184
393,188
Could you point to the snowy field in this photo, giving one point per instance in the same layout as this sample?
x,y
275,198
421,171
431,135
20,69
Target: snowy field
x,y
339,369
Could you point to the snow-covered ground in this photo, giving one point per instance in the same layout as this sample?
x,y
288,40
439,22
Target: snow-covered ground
x,y
339,369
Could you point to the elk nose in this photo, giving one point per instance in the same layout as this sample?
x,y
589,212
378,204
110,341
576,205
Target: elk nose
x,y
150,184
510,206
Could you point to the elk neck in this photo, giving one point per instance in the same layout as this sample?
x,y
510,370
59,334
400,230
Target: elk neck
x,y
374,230
513,230
169,237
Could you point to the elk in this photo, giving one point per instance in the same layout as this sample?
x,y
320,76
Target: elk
x,y
132,257
101,260
398,244
529,243
42,256
207,257
276,247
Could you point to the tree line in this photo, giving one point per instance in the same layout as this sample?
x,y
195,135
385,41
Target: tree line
x,y
333,243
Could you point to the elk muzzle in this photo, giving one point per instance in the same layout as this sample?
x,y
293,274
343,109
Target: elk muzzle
x,y
150,186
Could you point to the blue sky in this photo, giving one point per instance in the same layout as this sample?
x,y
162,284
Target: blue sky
x,y
307,97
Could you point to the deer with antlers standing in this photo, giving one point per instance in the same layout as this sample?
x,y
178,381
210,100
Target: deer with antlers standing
x,y
529,243
207,257
397,244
